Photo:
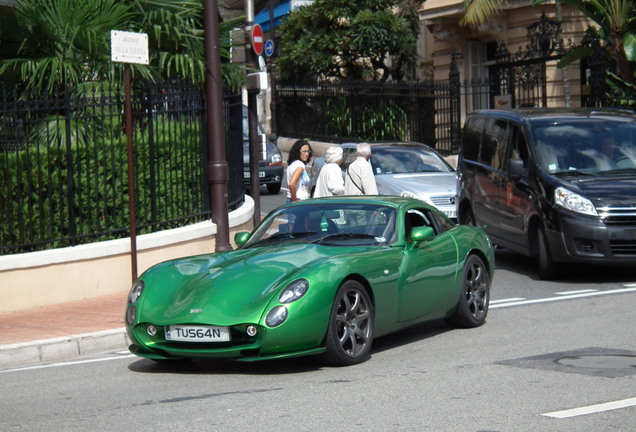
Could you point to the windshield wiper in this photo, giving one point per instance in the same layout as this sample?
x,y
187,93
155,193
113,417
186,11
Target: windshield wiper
x,y
338,236
577,172
619,171
282,236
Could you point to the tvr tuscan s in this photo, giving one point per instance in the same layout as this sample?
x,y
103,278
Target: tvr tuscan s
x,y
323,276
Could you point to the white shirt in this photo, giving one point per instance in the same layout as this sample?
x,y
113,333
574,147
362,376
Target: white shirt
x,y
304,182
359,179
330,181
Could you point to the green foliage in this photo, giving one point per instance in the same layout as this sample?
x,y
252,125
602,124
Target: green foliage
x,y
48,45
380,119
34,187
366,39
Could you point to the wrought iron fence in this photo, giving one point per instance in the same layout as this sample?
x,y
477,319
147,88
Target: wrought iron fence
x,y
63,164
363,111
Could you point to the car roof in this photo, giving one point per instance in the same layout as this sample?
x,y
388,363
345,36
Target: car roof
x,y
532,114
388,144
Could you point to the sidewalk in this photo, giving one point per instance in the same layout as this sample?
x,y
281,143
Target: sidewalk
x,y
60,332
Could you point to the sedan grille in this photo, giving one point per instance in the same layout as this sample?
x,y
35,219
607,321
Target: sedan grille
x,y
443,200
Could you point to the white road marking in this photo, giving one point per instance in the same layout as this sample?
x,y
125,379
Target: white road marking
x,y
575,292
563,297
70,363
506,300
592,409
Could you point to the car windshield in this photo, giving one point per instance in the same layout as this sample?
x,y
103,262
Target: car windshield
x,y
397,160
333,224
586,147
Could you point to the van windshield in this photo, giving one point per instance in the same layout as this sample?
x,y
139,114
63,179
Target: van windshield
x,y
587,146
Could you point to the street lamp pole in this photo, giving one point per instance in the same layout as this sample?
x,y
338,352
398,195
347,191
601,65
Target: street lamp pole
x,y
217,169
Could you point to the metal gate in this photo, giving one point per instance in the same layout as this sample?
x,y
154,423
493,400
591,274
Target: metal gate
x,y
520,79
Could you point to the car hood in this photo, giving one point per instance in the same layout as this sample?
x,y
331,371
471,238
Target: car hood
x,y
607,190
427,184
226,288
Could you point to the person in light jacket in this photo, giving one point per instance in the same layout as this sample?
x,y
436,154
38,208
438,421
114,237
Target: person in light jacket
x,y
360,179
330,181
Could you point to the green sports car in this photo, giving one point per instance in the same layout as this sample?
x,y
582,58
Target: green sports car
x,y
323,276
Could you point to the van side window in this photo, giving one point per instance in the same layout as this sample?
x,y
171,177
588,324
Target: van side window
x,y
472,138
494,145
518,145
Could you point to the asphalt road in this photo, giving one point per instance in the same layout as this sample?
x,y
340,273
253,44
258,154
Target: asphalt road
x,y
553,356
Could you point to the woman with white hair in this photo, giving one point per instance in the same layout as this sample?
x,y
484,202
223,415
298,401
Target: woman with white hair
x,y
330,180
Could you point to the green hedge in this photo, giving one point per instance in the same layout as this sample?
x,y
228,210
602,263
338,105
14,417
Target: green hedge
x,y
54,194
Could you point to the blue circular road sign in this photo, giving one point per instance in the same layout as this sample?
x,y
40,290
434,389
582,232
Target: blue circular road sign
x,y
269,47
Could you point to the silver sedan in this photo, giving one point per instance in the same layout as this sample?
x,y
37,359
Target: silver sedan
x,y
406,169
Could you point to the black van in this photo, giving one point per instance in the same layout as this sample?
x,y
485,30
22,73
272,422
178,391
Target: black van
x,y
555,184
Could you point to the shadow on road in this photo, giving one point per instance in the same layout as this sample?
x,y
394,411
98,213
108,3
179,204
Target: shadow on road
x,y
568,273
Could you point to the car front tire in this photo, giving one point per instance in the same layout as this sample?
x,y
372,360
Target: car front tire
x,y
351,326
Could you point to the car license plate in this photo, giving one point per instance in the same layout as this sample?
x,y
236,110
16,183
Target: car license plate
x,y
184,333
450,213
246,174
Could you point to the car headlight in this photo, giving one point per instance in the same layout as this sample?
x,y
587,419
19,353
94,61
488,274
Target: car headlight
x,y
574,202
294,291
276,316
135,291
409,194
276,158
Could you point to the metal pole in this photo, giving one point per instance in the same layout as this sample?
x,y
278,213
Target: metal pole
x,y
252,116
217,168
131,179
272,80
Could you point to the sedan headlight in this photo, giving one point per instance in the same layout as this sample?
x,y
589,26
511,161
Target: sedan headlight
x,y
574,202
294,291
135,291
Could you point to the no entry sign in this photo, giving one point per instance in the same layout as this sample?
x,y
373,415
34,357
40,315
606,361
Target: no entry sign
x,y
257,39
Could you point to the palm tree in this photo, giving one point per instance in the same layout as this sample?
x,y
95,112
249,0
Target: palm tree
x,y
50,44
615,18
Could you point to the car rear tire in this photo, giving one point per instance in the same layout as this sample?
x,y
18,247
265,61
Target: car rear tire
x,y
351,326
273,188
548,269
472,307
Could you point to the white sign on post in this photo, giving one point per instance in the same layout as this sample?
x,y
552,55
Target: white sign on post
x,y
129,47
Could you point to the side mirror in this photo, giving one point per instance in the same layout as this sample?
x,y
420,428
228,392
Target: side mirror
x,y
515,169
422,234
272,137
240,238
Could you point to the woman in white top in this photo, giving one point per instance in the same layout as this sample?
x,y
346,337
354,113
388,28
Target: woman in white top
x,y
298,180
330,181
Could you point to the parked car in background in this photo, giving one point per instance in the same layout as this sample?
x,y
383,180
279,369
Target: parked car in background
x,y
406,169
270,164
323,276
555,184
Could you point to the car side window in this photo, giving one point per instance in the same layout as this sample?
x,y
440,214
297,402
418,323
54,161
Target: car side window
x,y
518,145
416,218
494,144
472,138
348,156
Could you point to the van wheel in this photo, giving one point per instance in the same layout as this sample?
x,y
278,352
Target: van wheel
x,y
273,188
548,269
467,217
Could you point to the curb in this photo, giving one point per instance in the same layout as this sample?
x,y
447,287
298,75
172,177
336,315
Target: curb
x,y
62,348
